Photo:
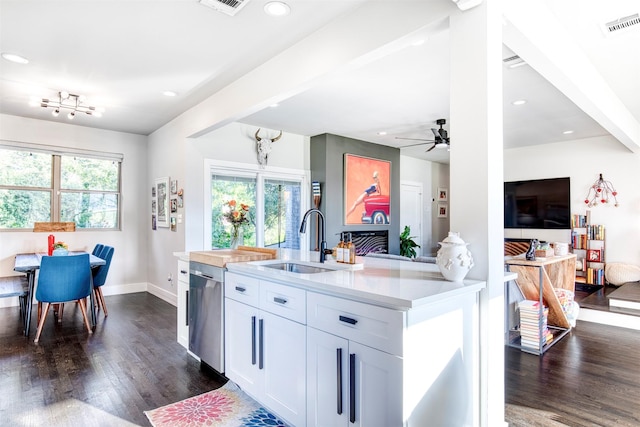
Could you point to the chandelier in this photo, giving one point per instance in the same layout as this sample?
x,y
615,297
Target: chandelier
x,y
70,101
601,192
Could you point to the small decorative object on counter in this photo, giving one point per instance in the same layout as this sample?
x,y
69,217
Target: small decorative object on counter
x,y
531,252
340,249
351,249
50,245
60,248
454,259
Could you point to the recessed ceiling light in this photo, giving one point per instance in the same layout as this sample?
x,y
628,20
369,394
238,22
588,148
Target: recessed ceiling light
x,y
418,42
519,102
15,58
277,8
169,93
567,132
274,105
382,133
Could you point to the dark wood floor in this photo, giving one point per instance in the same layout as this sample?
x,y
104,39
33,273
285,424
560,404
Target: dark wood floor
x,y
132,363
589,378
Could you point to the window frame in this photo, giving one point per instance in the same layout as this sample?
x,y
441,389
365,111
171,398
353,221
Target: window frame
x,y
220,167
55,190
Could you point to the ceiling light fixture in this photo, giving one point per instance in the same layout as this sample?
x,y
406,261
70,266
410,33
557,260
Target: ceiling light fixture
x,y
169,93
382,133
71,102
519,102
567,132
14,58
277,8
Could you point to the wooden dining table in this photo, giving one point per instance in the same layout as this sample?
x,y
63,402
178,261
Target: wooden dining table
x,y
29,263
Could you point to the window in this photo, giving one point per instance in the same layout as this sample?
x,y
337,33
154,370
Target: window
x,y
42,185
275,199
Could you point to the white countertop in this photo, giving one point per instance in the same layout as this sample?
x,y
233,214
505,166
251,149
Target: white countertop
x,y
389,283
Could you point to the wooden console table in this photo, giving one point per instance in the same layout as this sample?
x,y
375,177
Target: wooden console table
x,y
537,280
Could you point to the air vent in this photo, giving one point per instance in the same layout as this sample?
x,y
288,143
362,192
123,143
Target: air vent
x,y
228,7
621,25
513,61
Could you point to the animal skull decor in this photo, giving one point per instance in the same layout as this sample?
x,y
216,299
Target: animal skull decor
x,y
264,147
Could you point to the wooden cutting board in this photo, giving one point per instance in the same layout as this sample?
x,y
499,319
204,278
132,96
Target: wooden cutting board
x,y
221,257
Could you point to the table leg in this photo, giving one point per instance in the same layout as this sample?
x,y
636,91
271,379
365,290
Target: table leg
x,y
29,303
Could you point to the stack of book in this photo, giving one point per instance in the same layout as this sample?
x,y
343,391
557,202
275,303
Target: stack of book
x,y
534,333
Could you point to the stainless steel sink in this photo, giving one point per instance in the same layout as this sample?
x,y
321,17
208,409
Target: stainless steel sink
x,y
297,268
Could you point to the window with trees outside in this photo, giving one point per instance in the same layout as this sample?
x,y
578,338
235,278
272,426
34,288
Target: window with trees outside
x,y
275,207
38,185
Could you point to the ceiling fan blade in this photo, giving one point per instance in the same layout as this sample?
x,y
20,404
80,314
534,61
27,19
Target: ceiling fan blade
x,y
432,147
415,139
436,133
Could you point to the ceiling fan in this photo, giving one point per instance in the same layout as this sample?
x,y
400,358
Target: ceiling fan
x,y
440,139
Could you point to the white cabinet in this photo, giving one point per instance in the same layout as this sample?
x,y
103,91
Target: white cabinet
x,y
183,301
350,384
264,347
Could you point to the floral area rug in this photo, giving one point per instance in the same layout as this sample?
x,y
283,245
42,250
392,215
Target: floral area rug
x,y
227,406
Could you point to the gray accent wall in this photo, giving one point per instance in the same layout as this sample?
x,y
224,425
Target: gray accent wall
x,y
327,167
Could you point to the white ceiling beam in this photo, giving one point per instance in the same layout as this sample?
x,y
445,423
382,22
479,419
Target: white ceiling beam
x,y
534,34
370,32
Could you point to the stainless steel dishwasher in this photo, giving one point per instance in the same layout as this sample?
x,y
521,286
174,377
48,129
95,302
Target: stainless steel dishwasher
x,y
206,317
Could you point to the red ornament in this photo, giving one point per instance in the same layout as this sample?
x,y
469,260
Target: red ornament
x,y
599,190
586,201
603,201
615,193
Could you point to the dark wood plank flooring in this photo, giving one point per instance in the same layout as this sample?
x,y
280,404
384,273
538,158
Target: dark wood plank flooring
x,y
589,378
131,363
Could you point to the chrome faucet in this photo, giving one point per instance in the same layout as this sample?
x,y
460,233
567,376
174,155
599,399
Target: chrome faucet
x,y
323,242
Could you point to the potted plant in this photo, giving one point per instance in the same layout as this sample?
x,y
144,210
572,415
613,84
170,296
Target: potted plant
x,y
407,244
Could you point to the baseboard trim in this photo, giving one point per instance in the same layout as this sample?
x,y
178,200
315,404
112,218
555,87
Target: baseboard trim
x,y
117,290
609,318
634,305
162,294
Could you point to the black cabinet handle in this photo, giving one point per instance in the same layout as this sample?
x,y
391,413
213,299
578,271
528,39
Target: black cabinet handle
x,y
261,346
186,320
352,388
253,340
339,379
348,320
183,271
240,289
279,300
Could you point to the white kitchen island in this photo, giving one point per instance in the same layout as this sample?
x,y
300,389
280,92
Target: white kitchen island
x,y
387,343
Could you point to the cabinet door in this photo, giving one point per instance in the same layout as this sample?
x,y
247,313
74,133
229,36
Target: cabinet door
x,y
183,314
375,387
284,367
183,301
241,345
327,379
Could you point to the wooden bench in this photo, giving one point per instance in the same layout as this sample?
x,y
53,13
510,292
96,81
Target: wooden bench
x,y
15,286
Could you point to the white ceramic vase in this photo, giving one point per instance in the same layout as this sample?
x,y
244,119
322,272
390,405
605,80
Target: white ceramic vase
x,y
454,259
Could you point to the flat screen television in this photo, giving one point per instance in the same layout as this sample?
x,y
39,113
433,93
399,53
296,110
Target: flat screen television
x,y
539,203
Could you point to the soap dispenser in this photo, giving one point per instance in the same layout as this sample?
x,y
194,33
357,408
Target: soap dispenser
x,y
351,248
340,251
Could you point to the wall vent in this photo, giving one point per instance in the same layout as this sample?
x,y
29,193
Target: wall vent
x,y
228,7
621,25
513,61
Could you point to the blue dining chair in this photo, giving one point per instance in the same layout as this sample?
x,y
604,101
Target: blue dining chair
x,y
97,249
63,279
100,277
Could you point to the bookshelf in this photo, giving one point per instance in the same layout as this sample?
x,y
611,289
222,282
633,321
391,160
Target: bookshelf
x,y
537,281
588,244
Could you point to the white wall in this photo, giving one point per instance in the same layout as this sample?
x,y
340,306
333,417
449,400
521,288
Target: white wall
x,y
128,267
583,161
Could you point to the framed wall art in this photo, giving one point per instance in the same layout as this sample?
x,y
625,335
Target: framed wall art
x,y
367,188
162,202
442,210
443,194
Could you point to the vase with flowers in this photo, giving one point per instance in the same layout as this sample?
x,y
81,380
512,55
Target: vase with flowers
x,y
60,248
237,214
